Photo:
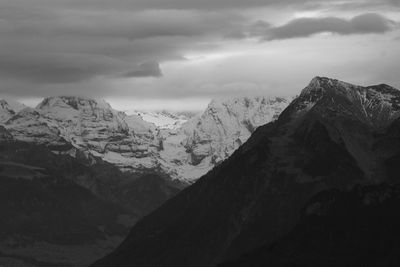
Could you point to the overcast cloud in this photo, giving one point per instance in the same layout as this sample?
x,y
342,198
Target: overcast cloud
x,y
176,49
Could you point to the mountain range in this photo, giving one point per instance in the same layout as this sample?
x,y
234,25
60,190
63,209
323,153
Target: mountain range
x,y
252,181
76,174
176,146
316,187
62,210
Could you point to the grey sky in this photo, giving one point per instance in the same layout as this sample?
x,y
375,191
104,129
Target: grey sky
x,y
142,51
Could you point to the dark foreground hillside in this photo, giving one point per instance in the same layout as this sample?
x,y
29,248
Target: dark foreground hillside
x,y
354,228
56,210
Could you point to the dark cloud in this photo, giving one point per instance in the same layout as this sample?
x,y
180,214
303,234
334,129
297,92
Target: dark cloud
x,y
118,24
53,68
304,27
66,46
193,4
257,29
54,44
146,69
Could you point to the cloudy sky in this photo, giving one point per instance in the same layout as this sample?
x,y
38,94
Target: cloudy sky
x,y
178,54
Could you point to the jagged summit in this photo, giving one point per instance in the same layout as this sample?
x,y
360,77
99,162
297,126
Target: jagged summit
x,y
320,86
376,105
324,85
75,102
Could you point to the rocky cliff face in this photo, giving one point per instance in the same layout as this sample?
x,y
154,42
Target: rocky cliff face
x,y
332,137
88,126
227,124
207,139
28,125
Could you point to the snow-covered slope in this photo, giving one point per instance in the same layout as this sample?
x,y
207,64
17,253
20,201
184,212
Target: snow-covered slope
x,y
228,123
163,119
82,120
8,108
208,139
165,143
90,126
28,125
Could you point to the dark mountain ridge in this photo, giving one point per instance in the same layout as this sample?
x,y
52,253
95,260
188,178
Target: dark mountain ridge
x,y
333,136
58,201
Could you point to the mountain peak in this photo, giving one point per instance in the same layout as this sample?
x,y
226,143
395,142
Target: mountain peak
x,y
75,102
376,105
321,85
320,79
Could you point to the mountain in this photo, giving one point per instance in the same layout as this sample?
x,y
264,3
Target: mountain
x,y
170,145
29,126
57,210
76,174
88,126
228,123
206,140
63,205
334,137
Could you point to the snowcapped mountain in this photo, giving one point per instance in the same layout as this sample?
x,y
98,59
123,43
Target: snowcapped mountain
x,y
228,123
89,126
207,139
162,119
28,125
91,123
8,108
169,144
